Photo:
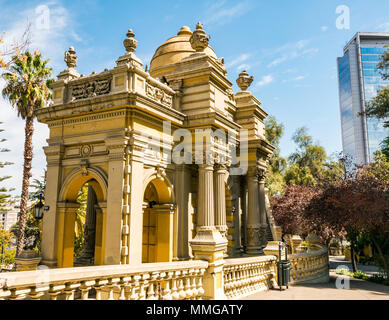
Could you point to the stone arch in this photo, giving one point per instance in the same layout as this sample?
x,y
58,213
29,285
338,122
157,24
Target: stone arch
x,y
78,177
66,213
162,185
158,219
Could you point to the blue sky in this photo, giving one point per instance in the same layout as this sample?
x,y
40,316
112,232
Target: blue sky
x,y
290,47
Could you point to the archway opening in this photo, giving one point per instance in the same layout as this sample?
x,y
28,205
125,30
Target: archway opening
x,y
81,220
158,211
85,226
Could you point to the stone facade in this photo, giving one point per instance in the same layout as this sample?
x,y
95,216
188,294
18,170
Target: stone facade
x,y
109,130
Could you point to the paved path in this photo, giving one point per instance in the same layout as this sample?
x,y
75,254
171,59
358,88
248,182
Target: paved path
x,y
336,261
359,289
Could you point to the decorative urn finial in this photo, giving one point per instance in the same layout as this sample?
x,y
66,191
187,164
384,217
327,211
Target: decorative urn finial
x,y
70,58
199,39
130,43
244,81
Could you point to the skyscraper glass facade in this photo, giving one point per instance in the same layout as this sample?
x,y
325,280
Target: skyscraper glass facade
x,y
373,82
346,106
359,82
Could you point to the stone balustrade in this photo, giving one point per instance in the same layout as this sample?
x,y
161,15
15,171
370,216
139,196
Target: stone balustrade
x,y
309,267
164,281
245,276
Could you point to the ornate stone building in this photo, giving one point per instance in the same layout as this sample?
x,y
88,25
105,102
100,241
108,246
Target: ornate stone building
x,y
108,130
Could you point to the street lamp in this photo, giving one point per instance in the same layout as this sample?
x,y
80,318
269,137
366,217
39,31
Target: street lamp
x,y
39,208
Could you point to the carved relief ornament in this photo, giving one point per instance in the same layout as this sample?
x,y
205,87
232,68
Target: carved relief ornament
x,y
158,95
91,89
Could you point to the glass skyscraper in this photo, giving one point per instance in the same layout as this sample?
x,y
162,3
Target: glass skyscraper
x,y
359,81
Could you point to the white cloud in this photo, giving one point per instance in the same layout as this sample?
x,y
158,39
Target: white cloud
x,y
52,42
238,60
264,81
384,27
298,78
220,14
291,51
324,28
242,67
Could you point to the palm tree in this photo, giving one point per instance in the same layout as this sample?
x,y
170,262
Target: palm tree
x,y
27,88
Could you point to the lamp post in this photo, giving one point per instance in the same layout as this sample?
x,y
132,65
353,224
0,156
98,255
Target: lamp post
x,y
39,208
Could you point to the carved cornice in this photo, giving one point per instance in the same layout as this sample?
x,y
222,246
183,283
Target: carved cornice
x,y
87,118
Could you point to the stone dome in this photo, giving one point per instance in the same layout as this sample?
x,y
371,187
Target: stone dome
x,y
174,50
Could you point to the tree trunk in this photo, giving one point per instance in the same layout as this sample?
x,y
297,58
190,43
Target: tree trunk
x,y
29,129
352,254
386,265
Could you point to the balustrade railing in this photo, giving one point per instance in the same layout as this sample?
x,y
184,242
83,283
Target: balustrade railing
x,y
310,266
154,281
245,276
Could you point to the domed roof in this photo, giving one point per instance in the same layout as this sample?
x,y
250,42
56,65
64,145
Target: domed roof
x,y
174,50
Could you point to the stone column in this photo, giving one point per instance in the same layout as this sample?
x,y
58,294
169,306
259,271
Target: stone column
x,y
66,215
255,229
244,206
220,199
182,188
101,215
54,153
88,250
236,208
116,160
262,201
262,212
209,244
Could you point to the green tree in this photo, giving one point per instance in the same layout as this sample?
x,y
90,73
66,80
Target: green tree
x,y
8,51
27,88
4,192
32,230
7,254
39,187
82,199
277,164
309,164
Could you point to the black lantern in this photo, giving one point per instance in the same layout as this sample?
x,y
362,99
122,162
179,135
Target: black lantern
x,y
39,208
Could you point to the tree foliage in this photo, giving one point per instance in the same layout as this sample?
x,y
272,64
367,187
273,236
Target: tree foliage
x,y
10,49
309,164
28,80
4,192
351,206
7,254
82,199
277,164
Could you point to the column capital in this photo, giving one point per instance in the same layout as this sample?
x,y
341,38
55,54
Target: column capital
x,y
220,168
256,173
206,167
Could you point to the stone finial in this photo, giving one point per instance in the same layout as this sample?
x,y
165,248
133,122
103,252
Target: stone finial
x,y
70,58
244,81
199,39
130,43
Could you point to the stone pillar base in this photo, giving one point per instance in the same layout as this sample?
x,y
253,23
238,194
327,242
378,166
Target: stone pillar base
x,y
272,249
257,239
210,245
27,261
